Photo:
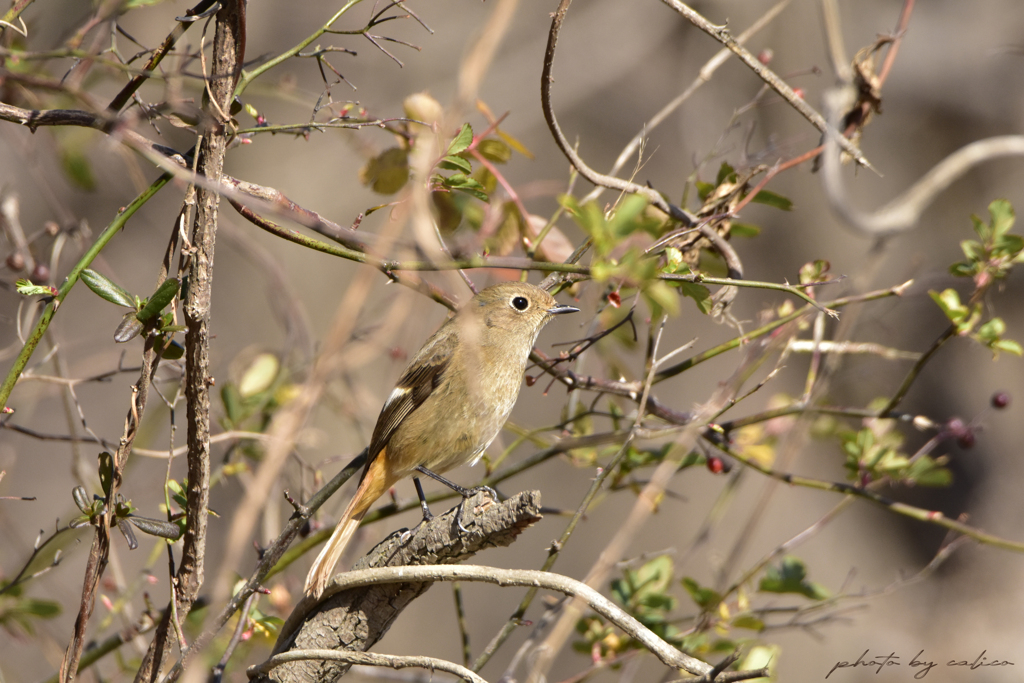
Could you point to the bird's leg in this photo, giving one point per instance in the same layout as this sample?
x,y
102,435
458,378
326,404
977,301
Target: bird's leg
x,y
462,491
427,514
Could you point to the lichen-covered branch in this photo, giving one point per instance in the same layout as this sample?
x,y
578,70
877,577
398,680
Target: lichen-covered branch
x,y
357,618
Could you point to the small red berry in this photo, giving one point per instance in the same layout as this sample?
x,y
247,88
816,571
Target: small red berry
x,y
765,56
615,299
799,92
966,440
715,464
1000,400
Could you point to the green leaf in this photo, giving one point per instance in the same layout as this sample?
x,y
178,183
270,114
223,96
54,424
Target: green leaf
x,y
725,172
462,141
1002,217
759,657
177,493
156,527
163,295
42,609
1009,246
699,293
78,169
791,577
106,289
386,173
453,163
449,211
129,535
704,189
132,4
106,461
772,199
486,179
515,144
981,228
815,271
129,328
928,471
659,296
992,330
174,350
655,576
30,289
494,150
962,270
705,598
624,222
949,301
748,621
23,611
674,263
1009,346
259,376
973,250
82,499
744,230
458,181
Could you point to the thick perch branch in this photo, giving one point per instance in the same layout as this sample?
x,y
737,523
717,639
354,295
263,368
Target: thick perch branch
x,y
357,618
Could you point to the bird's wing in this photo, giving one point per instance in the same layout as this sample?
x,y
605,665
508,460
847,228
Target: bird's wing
x,y
420,379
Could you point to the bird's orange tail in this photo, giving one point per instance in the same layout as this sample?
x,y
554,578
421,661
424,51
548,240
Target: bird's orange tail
x,y
377,479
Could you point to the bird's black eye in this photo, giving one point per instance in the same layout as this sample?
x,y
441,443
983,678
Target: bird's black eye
x,y
520,303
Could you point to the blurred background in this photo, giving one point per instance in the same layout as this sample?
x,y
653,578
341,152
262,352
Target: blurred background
x,y
959,77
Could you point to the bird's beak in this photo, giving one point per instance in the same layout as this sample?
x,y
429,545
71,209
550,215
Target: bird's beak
x,y
562,308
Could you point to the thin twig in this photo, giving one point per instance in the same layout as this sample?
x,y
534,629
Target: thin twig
x,y
365,659
722,35
704,76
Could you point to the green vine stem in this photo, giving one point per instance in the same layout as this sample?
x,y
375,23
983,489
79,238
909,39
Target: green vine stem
x,y
674,370
920,514
51,308
248,77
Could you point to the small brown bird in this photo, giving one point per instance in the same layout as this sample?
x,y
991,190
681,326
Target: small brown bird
x,y
450,403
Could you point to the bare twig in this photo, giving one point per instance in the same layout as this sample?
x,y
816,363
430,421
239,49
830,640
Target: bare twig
x,y
920,514
365,659
546,580
705,74
903,213
722,35
611,182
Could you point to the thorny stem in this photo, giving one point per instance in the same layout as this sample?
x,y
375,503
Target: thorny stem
x,y
922,515
770,327
916,370
51,308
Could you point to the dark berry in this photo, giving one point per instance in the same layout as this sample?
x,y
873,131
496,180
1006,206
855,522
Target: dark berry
x,y
956,427
715,464
1000,400
966,440
15,261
